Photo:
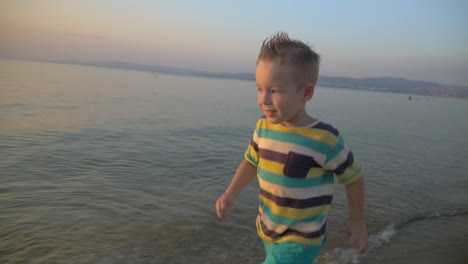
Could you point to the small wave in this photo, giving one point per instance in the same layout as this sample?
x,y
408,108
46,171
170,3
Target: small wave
x,y
11,105
349,255
431,215
61,107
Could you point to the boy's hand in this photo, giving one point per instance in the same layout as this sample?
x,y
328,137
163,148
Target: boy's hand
x,y
224,204
358,236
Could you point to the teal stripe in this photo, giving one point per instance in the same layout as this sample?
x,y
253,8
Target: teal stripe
x,y
336,150
293,182
286,220
252,159
294,138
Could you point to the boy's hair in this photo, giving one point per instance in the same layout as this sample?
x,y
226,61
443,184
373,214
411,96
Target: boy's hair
x,y
282,49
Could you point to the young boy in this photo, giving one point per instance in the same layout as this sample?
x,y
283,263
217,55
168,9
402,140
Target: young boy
x,y
295,157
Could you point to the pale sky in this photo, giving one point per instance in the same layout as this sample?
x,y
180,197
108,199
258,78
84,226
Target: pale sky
x,y
414,39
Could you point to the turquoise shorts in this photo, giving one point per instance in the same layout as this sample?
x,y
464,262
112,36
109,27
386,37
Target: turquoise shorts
x,y
291,253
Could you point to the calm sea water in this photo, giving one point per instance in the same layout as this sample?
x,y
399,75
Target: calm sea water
x,y
109,166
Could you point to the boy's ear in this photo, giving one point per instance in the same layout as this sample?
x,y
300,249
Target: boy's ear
x,y
309,92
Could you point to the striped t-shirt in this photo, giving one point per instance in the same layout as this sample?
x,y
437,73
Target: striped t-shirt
x,y
295,170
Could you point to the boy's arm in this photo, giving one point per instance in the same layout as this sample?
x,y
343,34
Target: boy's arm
x,y
243,176
356,227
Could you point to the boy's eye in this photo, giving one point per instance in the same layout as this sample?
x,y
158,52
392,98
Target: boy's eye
x,y
274,91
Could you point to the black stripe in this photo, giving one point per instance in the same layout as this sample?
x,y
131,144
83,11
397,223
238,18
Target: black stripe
x,y
297,203
254,145
347,163
298,165
273,155
327,127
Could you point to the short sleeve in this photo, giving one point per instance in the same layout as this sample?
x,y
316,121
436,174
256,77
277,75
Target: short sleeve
x,y
252,154
340,160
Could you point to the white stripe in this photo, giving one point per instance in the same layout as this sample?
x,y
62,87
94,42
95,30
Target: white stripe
x,y
271,225
285,148
295,193
338,160
255,137
307,227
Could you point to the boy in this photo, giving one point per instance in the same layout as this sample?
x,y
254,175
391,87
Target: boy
x,y
295,158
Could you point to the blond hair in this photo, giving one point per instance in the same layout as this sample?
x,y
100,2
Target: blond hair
x,y
280,48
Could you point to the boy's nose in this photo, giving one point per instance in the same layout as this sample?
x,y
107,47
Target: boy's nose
x,y
264,98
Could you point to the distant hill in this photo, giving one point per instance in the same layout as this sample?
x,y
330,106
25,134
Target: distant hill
x,y
396,85
385,84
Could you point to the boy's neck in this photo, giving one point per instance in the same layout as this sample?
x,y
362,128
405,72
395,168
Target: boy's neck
x,y
303,121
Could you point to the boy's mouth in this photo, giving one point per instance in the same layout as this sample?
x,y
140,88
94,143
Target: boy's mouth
x,y
270,113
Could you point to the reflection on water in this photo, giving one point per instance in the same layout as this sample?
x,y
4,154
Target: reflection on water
x,y
110,166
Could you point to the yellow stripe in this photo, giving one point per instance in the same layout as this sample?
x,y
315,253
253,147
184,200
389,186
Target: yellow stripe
x,y
356,177
298,214
250,161
351,173
251,151
307,241
272,166
315,172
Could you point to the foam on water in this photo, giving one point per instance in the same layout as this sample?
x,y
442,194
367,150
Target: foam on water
x,y
350,255
341,255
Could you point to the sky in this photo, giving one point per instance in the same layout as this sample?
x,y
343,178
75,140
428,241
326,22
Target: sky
x,y
414,39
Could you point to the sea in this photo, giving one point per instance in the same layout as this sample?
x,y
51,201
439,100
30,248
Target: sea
x,y
101,165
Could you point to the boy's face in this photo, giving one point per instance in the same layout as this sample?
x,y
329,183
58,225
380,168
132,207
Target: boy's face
x,y
278,95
